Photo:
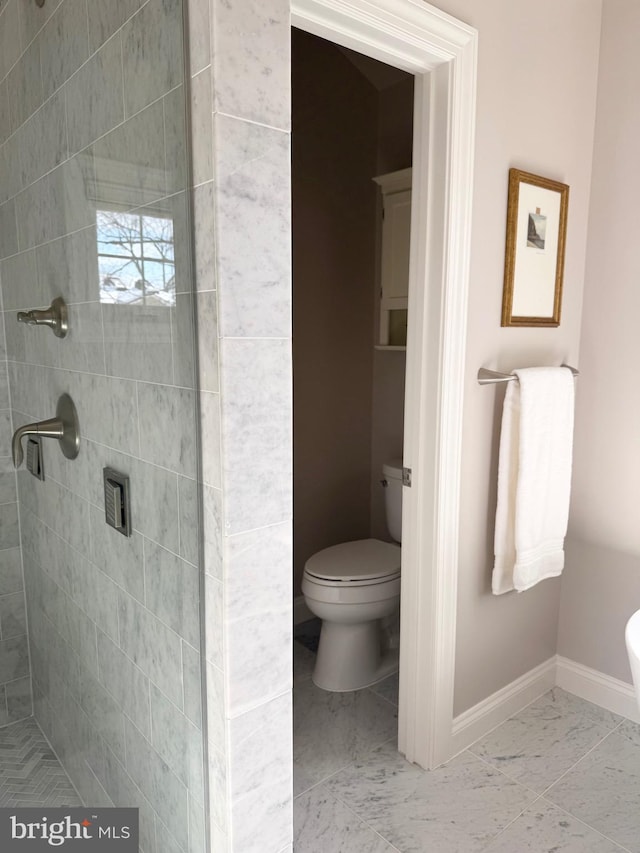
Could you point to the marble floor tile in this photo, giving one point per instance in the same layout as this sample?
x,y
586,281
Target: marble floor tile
x,y
308,633
388,688
30,773
360,797
546,829
538,745
604,788
457,808
324,824
303,662
330,730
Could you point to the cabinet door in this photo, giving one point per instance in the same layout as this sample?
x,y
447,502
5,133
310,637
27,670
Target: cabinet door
x,y
396,230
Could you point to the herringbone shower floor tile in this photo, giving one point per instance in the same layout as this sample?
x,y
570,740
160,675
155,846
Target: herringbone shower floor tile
x,y
30,774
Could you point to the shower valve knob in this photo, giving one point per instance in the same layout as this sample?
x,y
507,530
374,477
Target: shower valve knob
x,y
64,427
55,316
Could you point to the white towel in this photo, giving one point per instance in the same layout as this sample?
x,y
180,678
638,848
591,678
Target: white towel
x,y
534,478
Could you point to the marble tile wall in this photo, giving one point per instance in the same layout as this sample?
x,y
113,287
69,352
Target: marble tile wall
x,y
15,670
240,68
92,129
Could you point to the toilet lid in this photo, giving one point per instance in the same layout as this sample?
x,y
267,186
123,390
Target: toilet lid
x,y
365,559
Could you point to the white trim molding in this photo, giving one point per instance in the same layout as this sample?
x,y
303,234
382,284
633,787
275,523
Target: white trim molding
x,y
442,54
407,34
596,687
478,721
589,684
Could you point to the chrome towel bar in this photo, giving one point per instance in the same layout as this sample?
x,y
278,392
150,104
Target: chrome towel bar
x,y
492,377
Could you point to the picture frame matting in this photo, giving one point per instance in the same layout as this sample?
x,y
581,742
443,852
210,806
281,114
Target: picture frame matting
x,y
537,210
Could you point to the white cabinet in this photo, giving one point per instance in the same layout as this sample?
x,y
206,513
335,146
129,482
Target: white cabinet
x,y
394,266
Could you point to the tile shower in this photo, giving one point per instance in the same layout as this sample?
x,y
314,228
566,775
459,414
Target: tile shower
x,y
92,123
94,208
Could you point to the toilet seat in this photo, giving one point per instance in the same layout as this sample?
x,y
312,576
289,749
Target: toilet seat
x,y
360,563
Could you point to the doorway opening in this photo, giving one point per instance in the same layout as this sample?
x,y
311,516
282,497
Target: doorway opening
x,y
352,122
441,52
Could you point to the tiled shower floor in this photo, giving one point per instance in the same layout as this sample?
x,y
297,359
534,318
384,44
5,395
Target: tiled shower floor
x,y
30,774
562,776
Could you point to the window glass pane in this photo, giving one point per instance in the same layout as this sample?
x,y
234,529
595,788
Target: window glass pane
x,y
118,233
135,258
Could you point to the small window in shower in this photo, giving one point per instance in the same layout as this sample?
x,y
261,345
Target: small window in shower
x,y
135,259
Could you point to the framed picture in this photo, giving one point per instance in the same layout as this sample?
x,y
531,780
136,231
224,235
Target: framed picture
x,y
534,257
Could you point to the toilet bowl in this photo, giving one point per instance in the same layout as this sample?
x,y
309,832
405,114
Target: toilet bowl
x,y
632,638
352,587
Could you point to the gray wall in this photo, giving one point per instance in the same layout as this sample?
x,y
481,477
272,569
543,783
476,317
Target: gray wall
x,y
601,585
95,121
335,117
600,591
499,638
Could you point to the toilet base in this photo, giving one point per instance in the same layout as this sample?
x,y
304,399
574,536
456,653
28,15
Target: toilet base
x,y
349,657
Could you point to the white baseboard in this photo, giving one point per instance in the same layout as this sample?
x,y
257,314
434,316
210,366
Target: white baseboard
x,y
301,612
478,721
596,687
603,690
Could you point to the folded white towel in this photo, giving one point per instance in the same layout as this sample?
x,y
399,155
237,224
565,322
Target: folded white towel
x,y
534,478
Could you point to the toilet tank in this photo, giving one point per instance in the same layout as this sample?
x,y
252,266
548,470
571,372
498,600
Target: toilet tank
x,y
392,473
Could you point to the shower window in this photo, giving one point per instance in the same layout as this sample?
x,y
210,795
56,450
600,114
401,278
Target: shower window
x,y
135,258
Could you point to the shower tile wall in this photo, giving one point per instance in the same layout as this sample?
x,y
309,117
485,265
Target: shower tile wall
x,y
92,127
241,151
15,678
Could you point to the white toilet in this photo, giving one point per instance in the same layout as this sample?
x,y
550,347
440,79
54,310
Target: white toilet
x,y
351,587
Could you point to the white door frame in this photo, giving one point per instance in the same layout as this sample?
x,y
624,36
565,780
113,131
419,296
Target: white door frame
x,y
442,54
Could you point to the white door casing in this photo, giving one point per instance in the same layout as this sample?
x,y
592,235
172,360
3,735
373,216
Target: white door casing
x,y
442,54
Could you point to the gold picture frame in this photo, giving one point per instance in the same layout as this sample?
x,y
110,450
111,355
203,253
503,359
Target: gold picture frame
x,y
534,255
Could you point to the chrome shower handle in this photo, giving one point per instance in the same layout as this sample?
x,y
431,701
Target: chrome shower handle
x,y
64,427
53,428
55,316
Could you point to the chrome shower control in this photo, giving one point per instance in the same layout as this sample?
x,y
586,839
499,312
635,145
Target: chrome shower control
x,y
55,316
64,427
